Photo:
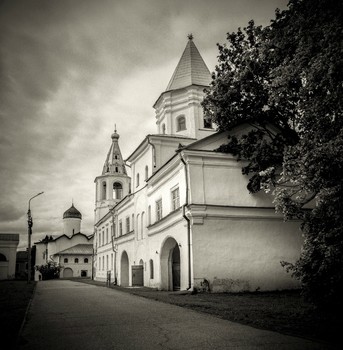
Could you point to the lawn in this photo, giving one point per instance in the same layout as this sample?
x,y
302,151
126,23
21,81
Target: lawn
x,y
15,297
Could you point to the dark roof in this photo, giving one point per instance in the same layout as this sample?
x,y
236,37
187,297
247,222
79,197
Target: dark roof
x,y
79,249
72,212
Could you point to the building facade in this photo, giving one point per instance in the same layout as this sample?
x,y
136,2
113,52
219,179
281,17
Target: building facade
x,y
72,250
185,219
8,250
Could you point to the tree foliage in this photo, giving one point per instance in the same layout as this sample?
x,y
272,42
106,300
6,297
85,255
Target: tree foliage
x,y
285,81
49,271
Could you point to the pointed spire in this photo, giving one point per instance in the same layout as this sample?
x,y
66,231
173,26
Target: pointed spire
x,y
114,163
191,69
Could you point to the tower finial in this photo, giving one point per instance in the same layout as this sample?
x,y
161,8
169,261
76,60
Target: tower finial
x,y
190,36
115,127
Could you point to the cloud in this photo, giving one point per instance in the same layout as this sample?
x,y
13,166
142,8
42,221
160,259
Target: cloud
x,y
69,70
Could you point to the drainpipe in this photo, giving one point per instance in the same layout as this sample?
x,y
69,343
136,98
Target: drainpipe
x,y
153,152
188,224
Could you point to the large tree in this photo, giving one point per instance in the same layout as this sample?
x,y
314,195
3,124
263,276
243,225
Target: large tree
x,y
285,81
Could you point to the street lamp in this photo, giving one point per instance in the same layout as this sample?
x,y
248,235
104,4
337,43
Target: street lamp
x,y
30,224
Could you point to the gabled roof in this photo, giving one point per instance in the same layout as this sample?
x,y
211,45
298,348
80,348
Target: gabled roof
x,y
79,249
191,69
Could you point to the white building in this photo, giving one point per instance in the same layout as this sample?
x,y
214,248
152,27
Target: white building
x,y
185,219
8,253
72,250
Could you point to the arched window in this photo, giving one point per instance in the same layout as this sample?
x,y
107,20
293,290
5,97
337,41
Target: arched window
x,y
163,128
116,169
151,263
137,225
117,190
137,182
146,172
86,260
103,190
76,260
181,123
65,260
142,225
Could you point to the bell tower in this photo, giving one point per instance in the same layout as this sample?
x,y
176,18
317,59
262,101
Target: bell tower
x,y
178,109
114,183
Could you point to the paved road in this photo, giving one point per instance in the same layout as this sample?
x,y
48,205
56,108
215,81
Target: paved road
x,y
72,315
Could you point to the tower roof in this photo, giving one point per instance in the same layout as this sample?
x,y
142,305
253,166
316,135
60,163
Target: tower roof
x,y
72,212
114,163
191,69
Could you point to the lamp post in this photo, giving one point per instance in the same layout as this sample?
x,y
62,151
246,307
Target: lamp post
x,y
30,224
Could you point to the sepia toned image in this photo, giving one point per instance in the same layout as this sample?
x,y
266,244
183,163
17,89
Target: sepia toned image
x,y
171,174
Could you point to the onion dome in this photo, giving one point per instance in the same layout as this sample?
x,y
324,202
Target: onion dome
x,y
72,212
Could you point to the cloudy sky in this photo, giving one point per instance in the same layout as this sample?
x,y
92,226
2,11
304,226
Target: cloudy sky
x,y
72,69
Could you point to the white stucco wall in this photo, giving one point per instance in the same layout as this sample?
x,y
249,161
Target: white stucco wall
x,y
8,247
242,253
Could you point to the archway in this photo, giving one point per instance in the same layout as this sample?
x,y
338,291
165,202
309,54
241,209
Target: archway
x,y
124,270
170,265
67,272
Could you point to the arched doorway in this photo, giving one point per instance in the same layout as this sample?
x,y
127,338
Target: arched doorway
x,y
67,272
124,270
138,274
170,265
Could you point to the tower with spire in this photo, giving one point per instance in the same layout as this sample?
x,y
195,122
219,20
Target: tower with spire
x,y
114,183
178,109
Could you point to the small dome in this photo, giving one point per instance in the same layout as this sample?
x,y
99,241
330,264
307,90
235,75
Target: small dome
x,y
72,212
115,136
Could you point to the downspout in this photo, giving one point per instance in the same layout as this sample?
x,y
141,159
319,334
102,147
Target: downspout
x,y
114,246
153,152
188,224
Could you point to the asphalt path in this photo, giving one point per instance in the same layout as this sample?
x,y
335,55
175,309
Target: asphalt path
x,y
72,315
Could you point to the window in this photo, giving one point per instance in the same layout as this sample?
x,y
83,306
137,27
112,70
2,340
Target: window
x,y
137,225
142,225
111,261
103,237
128,224
149,215
133,221
107,235
103,263
99,263
151,269
137,182
175,199
208,123
120,228
76,260
117,190
181,123
99,239
103,190
146,173
85,260
159,210
106,262
65,260
163,129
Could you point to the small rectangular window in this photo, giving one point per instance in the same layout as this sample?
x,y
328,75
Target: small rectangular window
x,y
128,224
159,210
175,199
120,228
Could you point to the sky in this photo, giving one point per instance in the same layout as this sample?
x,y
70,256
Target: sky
x,y
71,70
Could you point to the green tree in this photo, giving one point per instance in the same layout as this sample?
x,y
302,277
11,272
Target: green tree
x,y
49,271
285,81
